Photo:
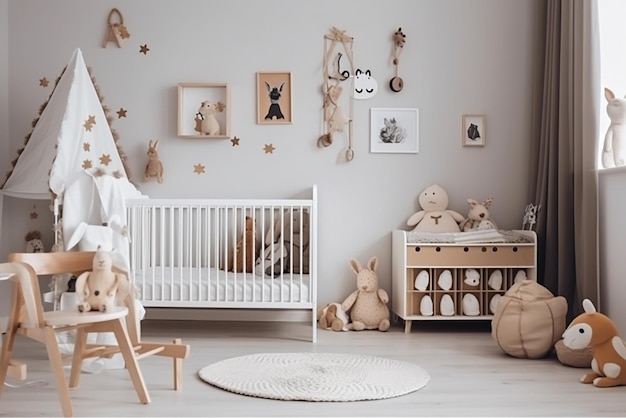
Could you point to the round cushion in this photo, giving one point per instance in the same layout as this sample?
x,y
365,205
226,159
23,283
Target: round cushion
x,y
574,358
528,320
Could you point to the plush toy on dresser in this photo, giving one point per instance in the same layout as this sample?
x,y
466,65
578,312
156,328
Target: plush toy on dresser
x,y
434,216
96,290
368,304
478,217
596,330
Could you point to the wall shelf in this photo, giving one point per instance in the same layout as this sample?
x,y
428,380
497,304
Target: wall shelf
x,y
190,98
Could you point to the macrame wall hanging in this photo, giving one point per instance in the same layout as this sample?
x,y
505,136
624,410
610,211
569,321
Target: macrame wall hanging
x,y
337,80
399,39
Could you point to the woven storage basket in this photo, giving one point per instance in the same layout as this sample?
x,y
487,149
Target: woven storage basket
x,y
573,358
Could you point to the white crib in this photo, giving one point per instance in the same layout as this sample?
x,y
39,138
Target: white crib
x,y
183,253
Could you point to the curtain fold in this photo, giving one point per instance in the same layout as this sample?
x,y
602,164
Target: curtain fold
x,y
564,150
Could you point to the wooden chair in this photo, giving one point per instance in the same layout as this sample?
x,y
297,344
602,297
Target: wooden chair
x,y
27,318
56,263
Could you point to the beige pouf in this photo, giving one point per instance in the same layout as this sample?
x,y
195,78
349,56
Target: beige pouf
x,y
574,358
528,320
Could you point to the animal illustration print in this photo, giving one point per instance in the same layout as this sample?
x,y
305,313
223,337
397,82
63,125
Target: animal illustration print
x,y
472,132
392,132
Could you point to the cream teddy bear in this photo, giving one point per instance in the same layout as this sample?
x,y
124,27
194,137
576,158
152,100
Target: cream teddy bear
x,y
434,216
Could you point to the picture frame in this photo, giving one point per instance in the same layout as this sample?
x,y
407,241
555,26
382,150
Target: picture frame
x,y
215,115
394,130
273,95
473,132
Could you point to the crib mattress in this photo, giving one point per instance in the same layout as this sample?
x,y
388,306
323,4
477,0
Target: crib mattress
x,y
194,284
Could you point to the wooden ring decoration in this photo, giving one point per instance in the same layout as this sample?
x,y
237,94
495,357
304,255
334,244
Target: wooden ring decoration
x,y
396,84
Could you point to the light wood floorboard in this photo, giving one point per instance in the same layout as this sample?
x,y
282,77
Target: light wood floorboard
x,y
470,376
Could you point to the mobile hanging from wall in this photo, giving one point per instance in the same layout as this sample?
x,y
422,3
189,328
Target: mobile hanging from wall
x,y
338,52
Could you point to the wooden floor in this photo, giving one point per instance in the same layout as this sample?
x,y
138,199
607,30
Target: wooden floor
x,y
470,376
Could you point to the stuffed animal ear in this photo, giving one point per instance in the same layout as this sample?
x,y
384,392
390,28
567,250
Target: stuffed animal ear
x,y
488,202
472,202
373,263
356,266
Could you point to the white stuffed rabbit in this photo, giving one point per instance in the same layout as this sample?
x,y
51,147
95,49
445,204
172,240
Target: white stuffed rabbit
x,y
154,168
614,151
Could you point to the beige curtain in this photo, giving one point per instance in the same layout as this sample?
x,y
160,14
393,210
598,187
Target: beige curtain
x,y
564,150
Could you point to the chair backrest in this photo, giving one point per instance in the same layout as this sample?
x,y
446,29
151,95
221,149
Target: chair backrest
x,y
73,262
26,293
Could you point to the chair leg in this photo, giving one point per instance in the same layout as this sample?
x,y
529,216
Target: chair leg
x,y
56,363
9,338
130,361
77,358
178,369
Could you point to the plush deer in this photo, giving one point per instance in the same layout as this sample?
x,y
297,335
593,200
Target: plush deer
x,y
595,330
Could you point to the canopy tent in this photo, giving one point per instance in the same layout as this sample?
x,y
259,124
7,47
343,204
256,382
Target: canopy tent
x,y
72,148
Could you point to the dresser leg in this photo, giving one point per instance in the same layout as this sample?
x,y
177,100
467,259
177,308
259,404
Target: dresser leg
x,y
407,326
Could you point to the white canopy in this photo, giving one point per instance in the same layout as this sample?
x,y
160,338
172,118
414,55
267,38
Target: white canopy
x,y
72,149
72,135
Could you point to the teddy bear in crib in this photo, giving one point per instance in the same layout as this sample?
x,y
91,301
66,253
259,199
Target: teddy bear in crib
x,y
368,304
435,215
245,246
596,330
206,122
614,150
97,289
478,217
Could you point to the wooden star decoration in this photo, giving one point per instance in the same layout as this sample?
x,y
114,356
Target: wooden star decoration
x,y
89,123
86,146
43,82
123,31
34,214
117,174
105,159
87,164
143,49
269,148
199,168
235,141
121,113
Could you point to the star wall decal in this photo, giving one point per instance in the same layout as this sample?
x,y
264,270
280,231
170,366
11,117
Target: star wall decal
x,y
43,82
199,168
269,148
89,123
86,146
235,141
105,159
87,164
121,113
143,49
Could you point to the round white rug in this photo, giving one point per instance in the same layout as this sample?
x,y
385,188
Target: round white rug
x,y
322,377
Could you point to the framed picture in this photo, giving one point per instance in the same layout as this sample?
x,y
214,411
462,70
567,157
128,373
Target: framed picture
x,y
203,110
273,98
473,133
394,130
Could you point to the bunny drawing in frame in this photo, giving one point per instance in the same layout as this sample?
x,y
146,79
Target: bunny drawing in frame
x,y
154,168
614,150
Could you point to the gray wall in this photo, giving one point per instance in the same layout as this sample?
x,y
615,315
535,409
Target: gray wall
x,y
460,57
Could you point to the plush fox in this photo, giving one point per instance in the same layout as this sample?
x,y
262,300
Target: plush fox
x,y
595,330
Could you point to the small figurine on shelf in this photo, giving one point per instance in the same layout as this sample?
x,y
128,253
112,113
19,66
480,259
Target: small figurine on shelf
x,y
206,122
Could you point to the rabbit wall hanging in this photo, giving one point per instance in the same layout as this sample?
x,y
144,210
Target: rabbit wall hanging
x,y
154,168
335,120
399,39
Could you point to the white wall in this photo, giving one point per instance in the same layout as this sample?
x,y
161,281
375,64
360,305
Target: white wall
x,y
4,128
460,57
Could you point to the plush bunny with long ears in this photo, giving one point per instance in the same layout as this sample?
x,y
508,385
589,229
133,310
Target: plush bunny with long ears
x,y
614,150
